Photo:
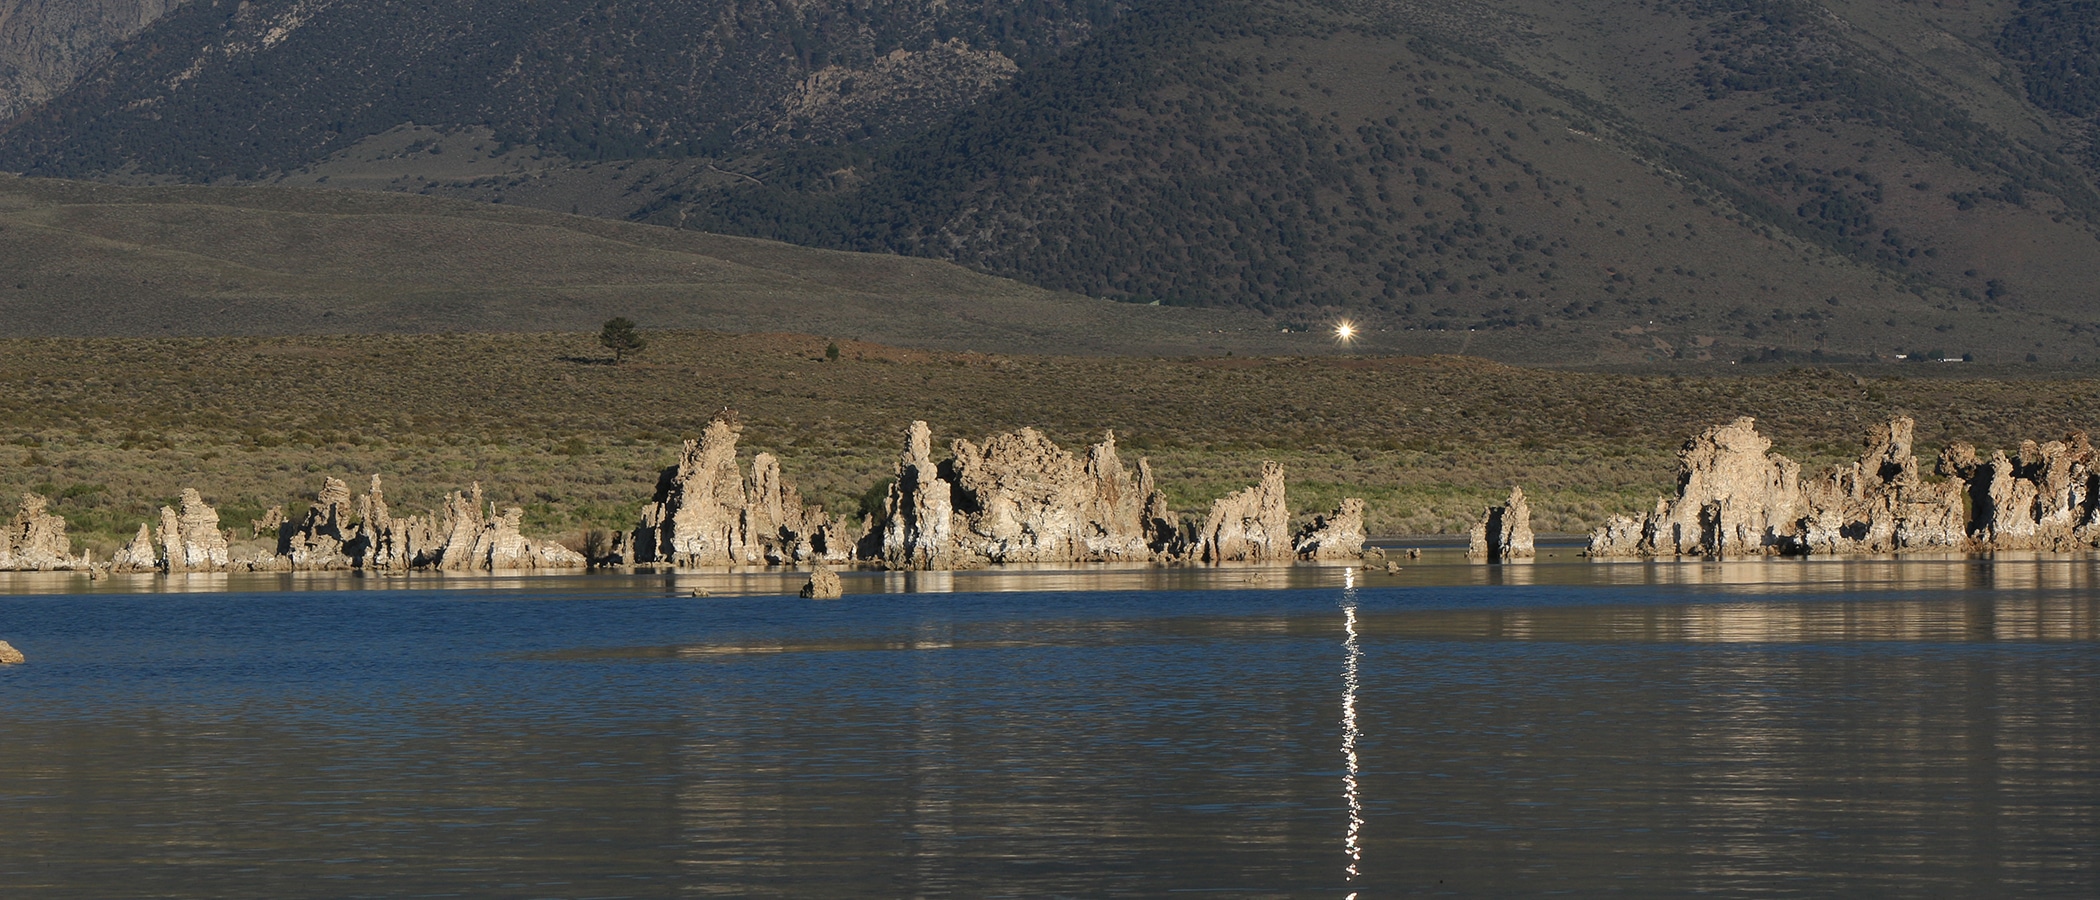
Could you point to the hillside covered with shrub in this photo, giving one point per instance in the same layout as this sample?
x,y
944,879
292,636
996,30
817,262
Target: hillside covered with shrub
x,y
1687,179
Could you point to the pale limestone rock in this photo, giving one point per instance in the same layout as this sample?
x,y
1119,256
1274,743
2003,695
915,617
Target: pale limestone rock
x,y
377,545
697,516
824,584
1337,535
317,544
9,656
457,529
1880,503
190,536
1016,498
918,527
500,547
271,525
1248,525
1733,499
36,539
1618,536
2044,500
1112,514
703,515
1504,532
1024,499
138,556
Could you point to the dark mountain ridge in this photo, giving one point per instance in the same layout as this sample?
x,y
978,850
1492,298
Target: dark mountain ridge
x,y
1771,179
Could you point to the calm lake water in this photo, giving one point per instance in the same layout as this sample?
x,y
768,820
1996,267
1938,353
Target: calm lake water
x,y
1920,728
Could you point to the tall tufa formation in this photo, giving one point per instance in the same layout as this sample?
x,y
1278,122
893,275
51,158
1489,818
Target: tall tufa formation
x,y
318,541
1504,532
918,524
36,539
1880,503
2043,499
1249,525
1733,499
705,514
137,556
1018,497
190,537
1021,498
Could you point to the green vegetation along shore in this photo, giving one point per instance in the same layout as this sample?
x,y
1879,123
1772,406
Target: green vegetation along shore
x,y
111,429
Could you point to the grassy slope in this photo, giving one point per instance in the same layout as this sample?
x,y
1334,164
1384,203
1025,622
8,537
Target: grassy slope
x,y
91,259
113,428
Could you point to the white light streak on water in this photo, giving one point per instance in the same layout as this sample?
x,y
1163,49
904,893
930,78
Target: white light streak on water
x,y
1352,843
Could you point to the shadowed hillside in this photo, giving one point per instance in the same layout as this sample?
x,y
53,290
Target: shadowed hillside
x,y
1585,180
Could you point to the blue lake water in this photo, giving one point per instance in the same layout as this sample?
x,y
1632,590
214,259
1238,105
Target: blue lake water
x,y
1917,727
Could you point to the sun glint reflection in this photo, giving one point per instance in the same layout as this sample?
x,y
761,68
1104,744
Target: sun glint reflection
x,y
1352,653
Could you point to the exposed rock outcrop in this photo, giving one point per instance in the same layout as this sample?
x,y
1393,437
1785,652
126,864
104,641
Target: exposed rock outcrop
x,y
2044,499
137,556
1018,497
1337,535
9,656
1024,499
339,532
824,584
499,547
1880,503
317,542
190,538
36,539
918,524
1248,525
1751,502
1504,532
703,515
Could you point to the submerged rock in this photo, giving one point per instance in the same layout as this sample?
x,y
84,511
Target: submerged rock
x,y
824,584
1504,532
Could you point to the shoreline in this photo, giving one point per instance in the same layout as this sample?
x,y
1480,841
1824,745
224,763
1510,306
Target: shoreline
x,y
1441,567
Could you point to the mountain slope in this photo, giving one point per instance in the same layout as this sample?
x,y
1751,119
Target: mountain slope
x,y
1781,187
90,259
1582,179
46,44
220,88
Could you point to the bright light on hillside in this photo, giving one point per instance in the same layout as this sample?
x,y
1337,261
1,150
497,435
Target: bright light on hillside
x,y
1345,332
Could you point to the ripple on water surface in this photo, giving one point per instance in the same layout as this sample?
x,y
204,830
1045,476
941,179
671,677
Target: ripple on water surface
x,y
1472,730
